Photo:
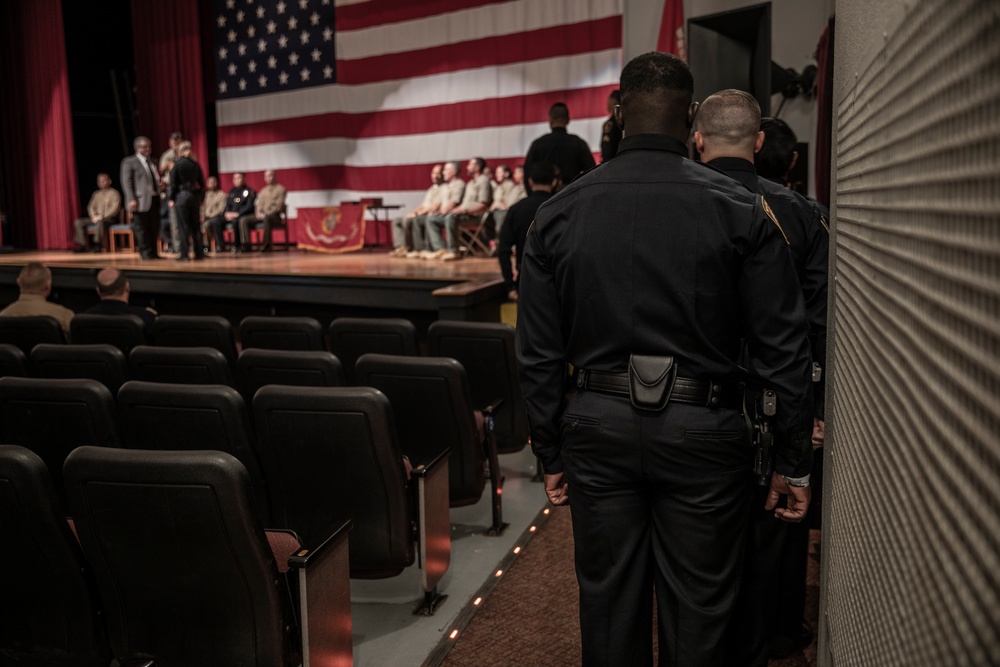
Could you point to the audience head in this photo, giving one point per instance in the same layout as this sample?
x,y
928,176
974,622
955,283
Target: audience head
x,y
451,170
656,90
112,284
558,115
777,155
238,179
501,173
211,183
614,99
269,176
518,176
543,176
728,126
436,174
184,148
103,181
35,278
142,146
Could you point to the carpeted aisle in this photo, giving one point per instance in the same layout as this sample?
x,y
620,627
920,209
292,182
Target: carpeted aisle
x,y
531,618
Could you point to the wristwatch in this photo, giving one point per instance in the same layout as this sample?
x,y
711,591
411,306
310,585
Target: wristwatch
x,y
799,482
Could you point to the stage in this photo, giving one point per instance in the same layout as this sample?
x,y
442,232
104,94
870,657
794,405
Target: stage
x,y
294,282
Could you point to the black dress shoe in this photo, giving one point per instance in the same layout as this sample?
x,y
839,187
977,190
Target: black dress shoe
x,y
265,248
79,249
236,250
198,257
183,258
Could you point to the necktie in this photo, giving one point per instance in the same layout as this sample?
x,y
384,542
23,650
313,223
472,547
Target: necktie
x,y
153,174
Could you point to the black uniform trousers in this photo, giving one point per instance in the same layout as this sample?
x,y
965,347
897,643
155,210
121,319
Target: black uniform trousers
x,y
145,227
186,206
657,498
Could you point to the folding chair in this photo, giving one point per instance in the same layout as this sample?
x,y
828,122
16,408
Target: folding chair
x,y
475,233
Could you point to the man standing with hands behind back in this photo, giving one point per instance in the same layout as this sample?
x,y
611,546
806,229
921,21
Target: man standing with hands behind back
x,y
650,450
141,186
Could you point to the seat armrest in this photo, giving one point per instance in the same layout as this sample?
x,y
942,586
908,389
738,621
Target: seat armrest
x,y
492,408
434,519
325,600
425,469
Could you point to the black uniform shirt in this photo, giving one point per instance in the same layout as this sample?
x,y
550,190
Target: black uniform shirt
x,y
652,253
804,225
186,175
241,200
567,151
611,136
514,231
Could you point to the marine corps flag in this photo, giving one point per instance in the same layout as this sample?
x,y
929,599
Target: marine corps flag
x,y
671,39
332,228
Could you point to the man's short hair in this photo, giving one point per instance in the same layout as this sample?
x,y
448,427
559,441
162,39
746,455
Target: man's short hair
x,y
730,116
184,148
559,113
114,288
33,278
774,158
480,162
616,95
543,172
655,72
140,140
175,136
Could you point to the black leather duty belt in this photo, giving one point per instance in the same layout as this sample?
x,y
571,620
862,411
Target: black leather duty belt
x,y
685,390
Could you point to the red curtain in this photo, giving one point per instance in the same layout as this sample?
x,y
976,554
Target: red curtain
x,y
824,105
671,36
168,72
39,161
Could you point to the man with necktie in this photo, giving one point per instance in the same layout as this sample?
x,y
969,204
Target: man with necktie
x,y
140,183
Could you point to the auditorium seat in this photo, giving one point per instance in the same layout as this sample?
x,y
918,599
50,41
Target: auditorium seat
x,y
433,409
50,612
281,333
351,337
331,453
102,362
486,351
122,331
183,365
27,332
164,416
196,331
13,361
258,367
186,570
54,417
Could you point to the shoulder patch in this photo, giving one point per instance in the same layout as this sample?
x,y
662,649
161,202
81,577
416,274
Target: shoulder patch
x,y
774,219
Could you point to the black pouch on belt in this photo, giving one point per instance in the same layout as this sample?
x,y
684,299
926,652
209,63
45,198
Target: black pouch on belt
x,y
650,381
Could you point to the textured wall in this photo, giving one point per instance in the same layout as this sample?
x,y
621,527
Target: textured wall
x,y
911,572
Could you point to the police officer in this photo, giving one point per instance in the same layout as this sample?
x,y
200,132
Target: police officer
x,y
727,138
186,189
611,134
644,274
239,202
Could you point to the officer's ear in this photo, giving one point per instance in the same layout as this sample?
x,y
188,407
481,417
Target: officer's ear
x,y
699,142
692,114
759,143
795,158
619,118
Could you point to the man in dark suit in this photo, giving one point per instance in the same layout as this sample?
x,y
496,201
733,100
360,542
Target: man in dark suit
x,y
568,152
141,187
646,274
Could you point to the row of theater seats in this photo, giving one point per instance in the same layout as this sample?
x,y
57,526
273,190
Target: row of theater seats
x,y
165,563
319,455
485,350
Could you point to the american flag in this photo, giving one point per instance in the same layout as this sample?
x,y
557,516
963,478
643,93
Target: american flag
x,y
412,84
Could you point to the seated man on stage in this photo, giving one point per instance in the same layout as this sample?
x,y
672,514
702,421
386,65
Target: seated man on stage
x,y
408,232
212,207
502,187
270,204
477,200
239,203
103,210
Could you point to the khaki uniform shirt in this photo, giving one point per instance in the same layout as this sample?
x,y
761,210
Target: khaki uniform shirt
x,y
270,199
104,204
433,197
477,191
31,305
516,194
453,191
501,192
213,205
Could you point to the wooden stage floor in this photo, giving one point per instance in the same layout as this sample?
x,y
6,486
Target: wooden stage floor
x,y
281,282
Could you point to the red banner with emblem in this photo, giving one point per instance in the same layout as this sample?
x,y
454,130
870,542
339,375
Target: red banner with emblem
x,y
332,228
